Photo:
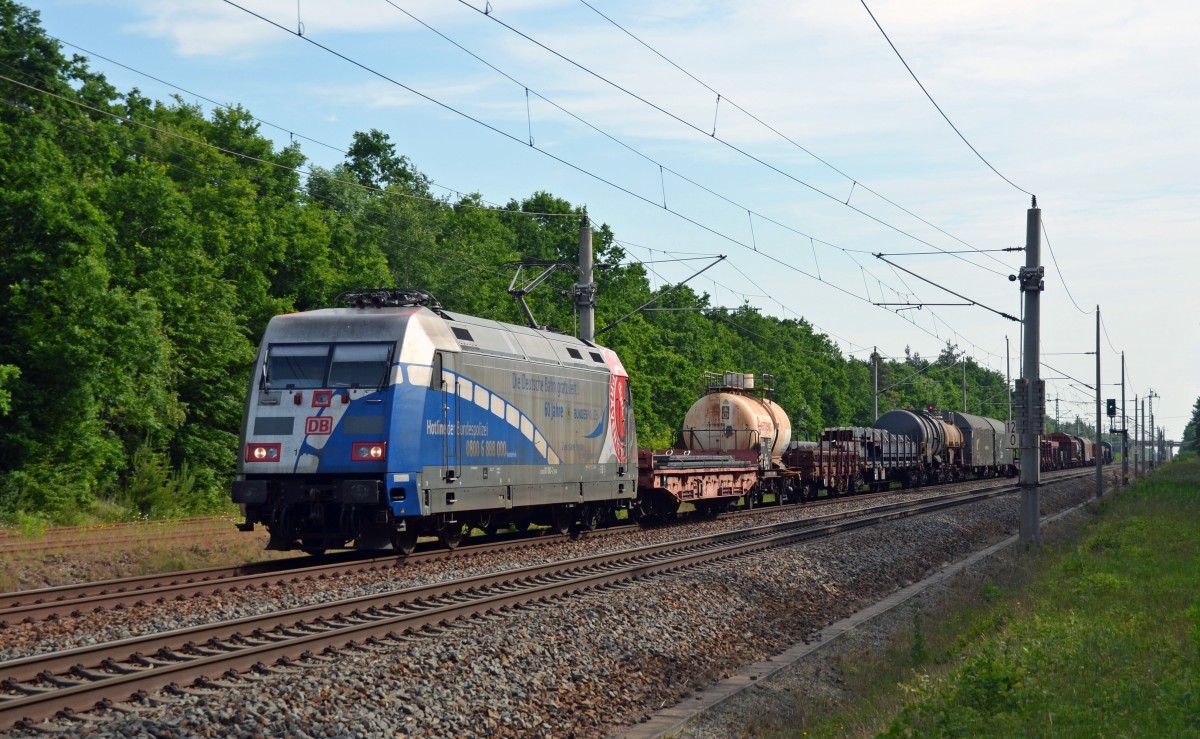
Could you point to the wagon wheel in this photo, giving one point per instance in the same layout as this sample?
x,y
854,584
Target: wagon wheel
x,y
404,542
312,549
451,535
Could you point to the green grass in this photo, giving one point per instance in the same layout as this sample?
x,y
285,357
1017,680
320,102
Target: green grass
x,y
1108,643
1098,634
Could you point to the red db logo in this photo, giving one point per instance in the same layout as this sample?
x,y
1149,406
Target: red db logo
x,y
318,425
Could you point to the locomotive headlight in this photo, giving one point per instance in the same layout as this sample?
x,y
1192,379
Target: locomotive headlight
x,y
368,451
262,452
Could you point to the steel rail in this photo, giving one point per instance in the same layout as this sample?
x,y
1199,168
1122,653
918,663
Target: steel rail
x,y
33,605
50,602
84,676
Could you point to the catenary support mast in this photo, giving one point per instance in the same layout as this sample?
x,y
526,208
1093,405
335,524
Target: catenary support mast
x,y
1031,393
585,289
1124,429
1099,419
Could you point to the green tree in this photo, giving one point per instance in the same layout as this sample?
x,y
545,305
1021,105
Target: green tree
x,y
1191,432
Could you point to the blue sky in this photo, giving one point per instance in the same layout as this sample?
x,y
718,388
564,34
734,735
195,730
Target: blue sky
x,y
1093,107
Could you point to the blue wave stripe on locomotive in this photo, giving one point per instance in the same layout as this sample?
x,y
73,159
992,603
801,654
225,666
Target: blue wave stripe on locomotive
x,y
498,432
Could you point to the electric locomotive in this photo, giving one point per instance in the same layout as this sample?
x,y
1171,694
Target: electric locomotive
x,y
373,424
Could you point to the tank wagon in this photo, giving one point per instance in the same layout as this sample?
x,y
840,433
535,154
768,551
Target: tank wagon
x,y
735,414
732,442
939,445
391,419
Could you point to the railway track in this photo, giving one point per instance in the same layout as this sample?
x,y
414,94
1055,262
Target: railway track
x,y
77,599
73,600
69,538
37,688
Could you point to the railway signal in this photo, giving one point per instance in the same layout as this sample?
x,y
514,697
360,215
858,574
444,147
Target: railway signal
x,y
1112,407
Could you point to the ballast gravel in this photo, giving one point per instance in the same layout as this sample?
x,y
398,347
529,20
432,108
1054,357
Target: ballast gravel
x,y
589,667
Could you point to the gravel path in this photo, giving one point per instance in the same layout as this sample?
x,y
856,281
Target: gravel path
x,y
590,668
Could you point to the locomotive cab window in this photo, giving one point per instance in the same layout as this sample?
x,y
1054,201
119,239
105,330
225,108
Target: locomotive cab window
x,y
359,365
307,366
296,366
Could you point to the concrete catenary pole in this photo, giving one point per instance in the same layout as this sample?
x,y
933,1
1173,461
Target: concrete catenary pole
x,y
1137,430
585,289
1099,418
1142,441
1033,403
875,383
1008,379
964,382
1152,454
1124,429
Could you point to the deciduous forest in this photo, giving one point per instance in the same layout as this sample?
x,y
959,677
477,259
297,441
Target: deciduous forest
x,y
144,245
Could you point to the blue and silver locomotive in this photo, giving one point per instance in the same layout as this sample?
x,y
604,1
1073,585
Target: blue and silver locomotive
x,y
391,419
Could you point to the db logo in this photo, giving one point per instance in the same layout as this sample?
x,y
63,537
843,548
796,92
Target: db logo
x,y
318,425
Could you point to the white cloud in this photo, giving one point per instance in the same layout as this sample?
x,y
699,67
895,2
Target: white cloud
x,y
205,28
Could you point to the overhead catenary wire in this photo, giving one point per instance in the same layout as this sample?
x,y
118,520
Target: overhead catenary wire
x,y
935,105
863,347
661,166
1058,269
248,157
492,16
548,154
289,131
126,119
605,181
854,182
468,264
310,173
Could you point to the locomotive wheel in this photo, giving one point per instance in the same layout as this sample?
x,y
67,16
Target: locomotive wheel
x,y
404,542
451,535
487,524
561,520
589,518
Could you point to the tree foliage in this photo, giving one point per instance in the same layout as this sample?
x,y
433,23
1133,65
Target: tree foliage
x,y
147,244
1191,431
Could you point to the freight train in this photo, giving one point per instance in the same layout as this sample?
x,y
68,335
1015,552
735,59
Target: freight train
x,y
390,419
737,448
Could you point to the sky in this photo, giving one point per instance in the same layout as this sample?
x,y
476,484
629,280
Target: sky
x,y
788,136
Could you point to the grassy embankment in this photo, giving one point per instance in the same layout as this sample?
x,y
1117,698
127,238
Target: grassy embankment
x,y
1096,635
46,557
